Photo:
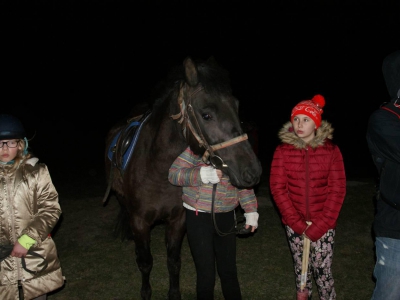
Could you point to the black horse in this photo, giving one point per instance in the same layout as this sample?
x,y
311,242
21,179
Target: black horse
x,y
195,107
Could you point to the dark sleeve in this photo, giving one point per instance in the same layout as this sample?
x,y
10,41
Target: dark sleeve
x,y
383,135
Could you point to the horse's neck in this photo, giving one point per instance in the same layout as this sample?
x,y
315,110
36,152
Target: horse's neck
x,y
169,140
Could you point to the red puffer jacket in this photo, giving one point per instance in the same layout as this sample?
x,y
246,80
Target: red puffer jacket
x,y
308,181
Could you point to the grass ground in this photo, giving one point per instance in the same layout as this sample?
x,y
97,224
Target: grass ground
x,y
99,267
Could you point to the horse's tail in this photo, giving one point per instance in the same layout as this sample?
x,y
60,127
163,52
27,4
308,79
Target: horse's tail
x,y
122,228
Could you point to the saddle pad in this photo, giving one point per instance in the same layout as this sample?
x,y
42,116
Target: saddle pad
x,y
128,153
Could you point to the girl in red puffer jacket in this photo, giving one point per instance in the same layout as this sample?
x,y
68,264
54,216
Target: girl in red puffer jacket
x,y
308,185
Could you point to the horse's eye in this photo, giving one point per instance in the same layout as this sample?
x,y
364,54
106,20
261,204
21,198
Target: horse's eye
x,y
206,117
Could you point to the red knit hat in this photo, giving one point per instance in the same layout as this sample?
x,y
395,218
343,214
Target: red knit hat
x,y
311,108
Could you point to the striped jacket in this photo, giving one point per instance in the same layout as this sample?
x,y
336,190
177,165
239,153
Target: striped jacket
x,y
185,172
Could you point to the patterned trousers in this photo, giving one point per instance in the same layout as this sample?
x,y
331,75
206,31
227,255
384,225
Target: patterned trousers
x,y
319,262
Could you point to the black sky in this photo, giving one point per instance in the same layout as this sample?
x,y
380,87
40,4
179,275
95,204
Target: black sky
x,y
72,69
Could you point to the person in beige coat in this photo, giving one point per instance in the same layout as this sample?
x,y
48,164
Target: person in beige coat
x,y
29,210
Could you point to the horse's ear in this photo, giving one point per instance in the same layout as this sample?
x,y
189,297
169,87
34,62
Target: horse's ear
x,y
190,72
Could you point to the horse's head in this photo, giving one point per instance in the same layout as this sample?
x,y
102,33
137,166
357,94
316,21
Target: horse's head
x,y
213,129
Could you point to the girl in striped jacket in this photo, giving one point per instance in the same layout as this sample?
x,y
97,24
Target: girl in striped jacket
x,y
209,248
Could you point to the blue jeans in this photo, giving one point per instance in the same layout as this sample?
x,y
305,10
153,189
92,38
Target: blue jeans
x,y
387,269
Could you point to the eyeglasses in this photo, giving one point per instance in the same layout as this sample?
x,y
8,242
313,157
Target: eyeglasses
x,y
10,143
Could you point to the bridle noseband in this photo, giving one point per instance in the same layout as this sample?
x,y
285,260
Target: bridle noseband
x,y
185,117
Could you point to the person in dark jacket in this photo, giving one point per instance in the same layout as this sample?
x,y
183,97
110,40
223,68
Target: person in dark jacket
x,y
308,185
383,138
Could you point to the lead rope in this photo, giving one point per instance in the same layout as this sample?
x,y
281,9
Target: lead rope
x,y
235,228
220,233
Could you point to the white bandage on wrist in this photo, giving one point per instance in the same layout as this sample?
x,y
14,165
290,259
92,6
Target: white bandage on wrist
x,y
209,175
252,219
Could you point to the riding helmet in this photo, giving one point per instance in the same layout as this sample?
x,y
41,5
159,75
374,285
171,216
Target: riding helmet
x,y
11,128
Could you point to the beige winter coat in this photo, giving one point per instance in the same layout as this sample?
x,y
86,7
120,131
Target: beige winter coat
x,y
29,205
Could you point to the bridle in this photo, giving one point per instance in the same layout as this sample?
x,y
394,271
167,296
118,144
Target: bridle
x,y
186,117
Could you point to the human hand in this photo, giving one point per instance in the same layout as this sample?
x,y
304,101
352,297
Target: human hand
x,y
219,173
251,220
18,250
308,225
210,175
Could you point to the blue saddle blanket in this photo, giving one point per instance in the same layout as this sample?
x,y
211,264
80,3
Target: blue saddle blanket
x,y
137,127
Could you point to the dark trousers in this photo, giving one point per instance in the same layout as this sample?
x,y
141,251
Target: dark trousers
x,y
209,250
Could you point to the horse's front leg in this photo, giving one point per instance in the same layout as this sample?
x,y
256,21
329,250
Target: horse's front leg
x,y
144,259
174,234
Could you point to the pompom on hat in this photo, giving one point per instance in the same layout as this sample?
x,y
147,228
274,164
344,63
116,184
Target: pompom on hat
x,y
311,108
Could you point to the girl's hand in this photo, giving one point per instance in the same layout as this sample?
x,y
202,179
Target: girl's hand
x,y
18,250
219,174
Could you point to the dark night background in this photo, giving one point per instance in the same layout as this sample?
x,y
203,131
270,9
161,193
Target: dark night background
x,y
71,69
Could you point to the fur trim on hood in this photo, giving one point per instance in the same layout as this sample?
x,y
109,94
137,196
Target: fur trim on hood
x,y
286,135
